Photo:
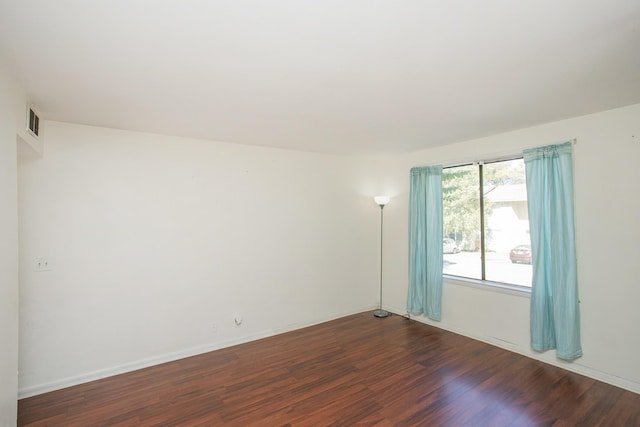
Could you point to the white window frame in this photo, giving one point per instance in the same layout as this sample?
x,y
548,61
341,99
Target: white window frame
x,y
484,284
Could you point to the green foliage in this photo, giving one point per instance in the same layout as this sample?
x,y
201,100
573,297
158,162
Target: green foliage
x,y
461,197
503,173
460,202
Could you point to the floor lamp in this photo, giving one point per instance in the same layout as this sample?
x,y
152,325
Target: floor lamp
x,y
381,201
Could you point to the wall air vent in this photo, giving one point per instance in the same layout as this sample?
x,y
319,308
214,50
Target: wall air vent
x,y
33,121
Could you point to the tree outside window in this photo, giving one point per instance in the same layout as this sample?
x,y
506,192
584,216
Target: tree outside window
x,y
485,212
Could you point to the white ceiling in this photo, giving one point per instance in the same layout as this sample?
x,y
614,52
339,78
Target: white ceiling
x,y
333,76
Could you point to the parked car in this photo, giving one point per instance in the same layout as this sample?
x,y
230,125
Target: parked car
x,y
521,254
449,246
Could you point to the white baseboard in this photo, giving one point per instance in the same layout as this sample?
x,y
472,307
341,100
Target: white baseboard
x,y
133,366
164,358
575,367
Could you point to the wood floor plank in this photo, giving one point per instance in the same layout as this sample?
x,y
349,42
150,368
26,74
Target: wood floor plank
x,y
357,370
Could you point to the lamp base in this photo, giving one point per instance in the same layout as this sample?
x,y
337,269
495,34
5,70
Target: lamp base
x,y
381,313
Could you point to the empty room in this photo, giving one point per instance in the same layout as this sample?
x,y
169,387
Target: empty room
x,y
310,213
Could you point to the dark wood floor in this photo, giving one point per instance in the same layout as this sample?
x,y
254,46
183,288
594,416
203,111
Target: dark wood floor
x,y
358,370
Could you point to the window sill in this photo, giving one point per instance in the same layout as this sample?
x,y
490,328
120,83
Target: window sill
x,y
503,288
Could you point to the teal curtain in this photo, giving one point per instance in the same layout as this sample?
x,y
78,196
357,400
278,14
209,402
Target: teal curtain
x,y
425,242
555,314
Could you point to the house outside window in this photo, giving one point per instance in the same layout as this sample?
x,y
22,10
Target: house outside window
x,y
486,222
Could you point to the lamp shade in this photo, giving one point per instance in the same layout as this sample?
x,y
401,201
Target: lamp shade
x,y
381,200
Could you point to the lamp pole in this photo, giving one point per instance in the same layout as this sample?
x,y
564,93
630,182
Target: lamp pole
x,y
381,201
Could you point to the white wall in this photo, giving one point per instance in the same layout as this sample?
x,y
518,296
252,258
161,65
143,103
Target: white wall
x,y
156,242
608,236
12,106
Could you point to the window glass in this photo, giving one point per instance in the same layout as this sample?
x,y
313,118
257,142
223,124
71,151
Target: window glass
x,y
499,251
461,221
506,215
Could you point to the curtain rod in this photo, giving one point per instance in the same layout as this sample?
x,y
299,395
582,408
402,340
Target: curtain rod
x,y
573,141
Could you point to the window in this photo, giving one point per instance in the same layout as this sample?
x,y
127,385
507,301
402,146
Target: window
x,y
486,222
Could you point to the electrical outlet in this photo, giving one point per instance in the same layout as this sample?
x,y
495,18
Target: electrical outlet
x,y
42,264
